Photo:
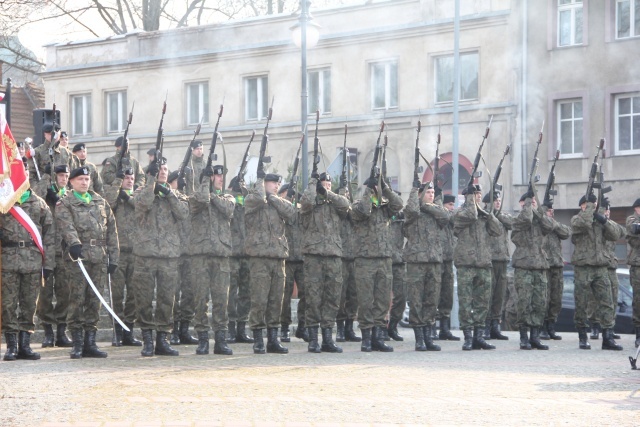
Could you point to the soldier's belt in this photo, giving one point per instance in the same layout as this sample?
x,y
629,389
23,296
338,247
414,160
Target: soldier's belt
x,y
95,242
20,244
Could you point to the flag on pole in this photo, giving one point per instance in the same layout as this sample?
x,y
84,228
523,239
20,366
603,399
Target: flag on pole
x,y
13,177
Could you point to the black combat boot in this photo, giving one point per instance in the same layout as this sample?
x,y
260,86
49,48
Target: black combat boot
x,y
162,345
48,335
377,340
273,344
434,333
614,335
203,343
116,340
366,341
419,333
90,348
340,331
302,332
608,343
524,338
285,333
220,346
258,342
147,343
468,339
62,340
185,336
445,330
349,333
241,334
595,331
428,338
534,340
478,340
544,332
175,333
12,346
328,346
24,347
495,331
384,332
486,332
231,332
551,328
637,343
583,341
392,330
312,333
127,337
76,350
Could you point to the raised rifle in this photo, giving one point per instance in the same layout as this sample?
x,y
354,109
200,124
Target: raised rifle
x,y
54,144
376,154
265,140
533,178
245,160
316,143
549,191
293,183
187,156
475,173
416,157
214,139
28,141
495,186
436,163
345,159
125,141
383,175
602,190
160,137
594,170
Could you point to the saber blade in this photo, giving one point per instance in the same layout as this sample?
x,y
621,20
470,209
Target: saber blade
x,y
95,290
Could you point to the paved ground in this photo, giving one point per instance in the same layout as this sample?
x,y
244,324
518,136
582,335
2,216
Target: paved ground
x,y
564,386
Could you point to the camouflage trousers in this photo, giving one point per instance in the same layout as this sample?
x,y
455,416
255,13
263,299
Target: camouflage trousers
x,y
373,284
634,276
555,286
474,293
510,322
294,273
267,290
531,286
323,286
348,309
615,284
57,285
184,307
84,306
498,289
445,305
423,285
19,296
593,280
157,276
210,277
398,291
124,303
239,299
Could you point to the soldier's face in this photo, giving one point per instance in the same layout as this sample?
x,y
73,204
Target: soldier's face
x,y
64,141
478,195
163,174
47,136
607,214
449,206
198,152
583,206
429,195
550,213
217,181
81,154
81,183
21,150
127,182
326,185
271,187
62,179
497,203
637,210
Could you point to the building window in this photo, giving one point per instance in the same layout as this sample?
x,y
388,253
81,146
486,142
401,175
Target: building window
x,y
569,132
256,97
319,82
197,103
81,114
384,85
627,18
469,69
627,114
116,111
570,22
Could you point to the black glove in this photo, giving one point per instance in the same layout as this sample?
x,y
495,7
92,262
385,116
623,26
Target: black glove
x,y
260,173
371,182
320,189
343,182
548,203
606,203
438,192
469,190
159,188
120,174
635,228
123,195
315,175
46,273
208,171
600,218
52,197
47,169
182,184
153,169
236,187
75,252
111,268
416,182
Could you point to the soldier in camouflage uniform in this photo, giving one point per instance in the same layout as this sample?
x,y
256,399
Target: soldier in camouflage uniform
x,y
88,228
23,268
57,284
120,197
321,210
398,270
110,166
348,310
159,211
530,263
198,162
49,155
424,219
80,151
590,232
633,259
266,246
239,301
448,243
472,257
211,212
371,215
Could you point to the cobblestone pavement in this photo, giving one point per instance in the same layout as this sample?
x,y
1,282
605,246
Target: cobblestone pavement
x,y
507,386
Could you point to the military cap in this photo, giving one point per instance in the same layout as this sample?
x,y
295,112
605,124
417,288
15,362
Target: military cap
x,y
119,141
218,170
477,188
195,144
61,169
151,151
487,197
79,146
524,196
283,188
274,177
173,176
163,161
128,171
636,203
20,144
426,186
448,198
324,177
79,172
47,127
63,134
592,199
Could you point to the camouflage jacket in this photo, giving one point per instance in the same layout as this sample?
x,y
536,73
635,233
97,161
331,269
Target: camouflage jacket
x,y
293,231
422,229
553,243
529,229
159,232
96,180
90,224
264,222
396,238
61,156
447,239
371,223
211,221
28,259
589,237
52,207
192,174
185,229
238,231
633,240
473,231
110,167
346,234
124,212
611,246
500,244
321,221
